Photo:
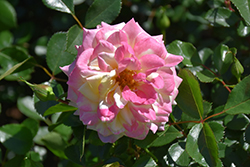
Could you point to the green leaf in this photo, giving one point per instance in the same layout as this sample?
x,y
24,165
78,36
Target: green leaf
x,y
32,159
6,39
11,70
187,51
7,15
206,76
74,37
178,154
243,30
247,134
217,129
145,161
204,54
16,137
61,107
73,153
32,125
236,122
56,56
237,69
17,61
189,98
65,6
26,106
221,17
102,10
239,99
207,108
243,7
160,138
201,145
55,143
223,58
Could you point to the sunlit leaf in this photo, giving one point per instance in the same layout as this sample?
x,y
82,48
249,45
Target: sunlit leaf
x,y
74,37
244,8
239,99
59,108
178,154
102,10
206,76
187,51
56,55
65,6
221,17
6,39
222,58
243,30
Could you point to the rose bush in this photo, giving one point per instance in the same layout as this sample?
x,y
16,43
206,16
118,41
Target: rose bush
x,y
123,81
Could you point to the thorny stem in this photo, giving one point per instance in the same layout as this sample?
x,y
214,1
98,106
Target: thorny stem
x,y
79,23
224,84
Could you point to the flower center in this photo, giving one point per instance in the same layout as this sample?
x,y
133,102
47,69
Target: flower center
x,y
125,78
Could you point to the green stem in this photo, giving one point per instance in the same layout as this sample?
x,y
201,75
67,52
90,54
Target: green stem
x,y
79,23
152,155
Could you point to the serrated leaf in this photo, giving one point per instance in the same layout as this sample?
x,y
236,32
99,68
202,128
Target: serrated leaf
x,y
243,7
187,51
189,98
7,15
221,17
239,99
178,154
102,10
74,37
223,58
160,138
66,6
59,108
217,129
16,137
56,56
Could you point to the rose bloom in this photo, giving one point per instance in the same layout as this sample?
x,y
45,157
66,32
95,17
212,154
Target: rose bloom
x,y
123,81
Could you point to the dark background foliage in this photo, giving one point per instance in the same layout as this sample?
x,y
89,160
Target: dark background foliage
x,y
201,23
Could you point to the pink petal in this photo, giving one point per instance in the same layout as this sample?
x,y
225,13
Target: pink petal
x,y
151,61
149,46
132,29
103,46
172,60
117,38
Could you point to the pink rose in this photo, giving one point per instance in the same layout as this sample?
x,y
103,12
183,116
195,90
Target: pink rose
x,y
123,81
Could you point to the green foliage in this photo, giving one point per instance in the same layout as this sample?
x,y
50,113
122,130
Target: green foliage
x,y
102,10
209,126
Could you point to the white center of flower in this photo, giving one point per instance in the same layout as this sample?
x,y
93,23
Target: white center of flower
x,y
125,78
